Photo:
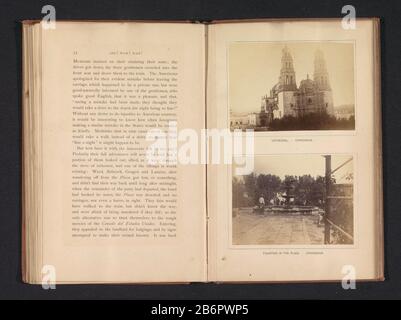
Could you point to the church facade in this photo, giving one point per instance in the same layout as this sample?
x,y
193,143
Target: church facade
x,y
287,99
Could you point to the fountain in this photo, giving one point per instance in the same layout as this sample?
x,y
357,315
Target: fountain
x,y
289,206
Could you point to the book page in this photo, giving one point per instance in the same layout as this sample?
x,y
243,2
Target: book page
x,y
117,206
298,202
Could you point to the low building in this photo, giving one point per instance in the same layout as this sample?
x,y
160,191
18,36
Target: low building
x,y
239,120
344,111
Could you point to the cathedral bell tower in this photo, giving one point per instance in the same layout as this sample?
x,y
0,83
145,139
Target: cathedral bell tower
x,y
287,74
320,75
321,79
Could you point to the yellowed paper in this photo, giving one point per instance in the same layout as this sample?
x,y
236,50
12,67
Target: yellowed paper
x,y
280,243
107,215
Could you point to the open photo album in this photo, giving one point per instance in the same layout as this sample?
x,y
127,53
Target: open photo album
x,y
177,152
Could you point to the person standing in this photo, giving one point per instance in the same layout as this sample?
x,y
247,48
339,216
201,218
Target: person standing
x,y
261,202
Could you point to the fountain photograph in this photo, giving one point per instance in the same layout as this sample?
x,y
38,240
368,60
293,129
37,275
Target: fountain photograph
x,y
294,200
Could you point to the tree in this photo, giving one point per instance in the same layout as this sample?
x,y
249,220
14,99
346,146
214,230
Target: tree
x,y
268,185
243,191
250,186
303,189
306,190
312,121
318,191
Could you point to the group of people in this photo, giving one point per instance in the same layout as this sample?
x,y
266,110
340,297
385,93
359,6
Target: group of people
x,y
273,201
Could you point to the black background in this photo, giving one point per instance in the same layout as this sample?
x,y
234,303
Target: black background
x,y
13,11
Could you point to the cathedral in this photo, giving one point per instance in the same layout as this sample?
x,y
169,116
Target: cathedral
x,y
286,99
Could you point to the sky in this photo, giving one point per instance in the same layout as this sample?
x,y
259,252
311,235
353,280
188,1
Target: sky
x,y
300,164
254,68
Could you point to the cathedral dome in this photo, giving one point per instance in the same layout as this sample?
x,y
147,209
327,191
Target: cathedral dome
x,y
277,88
307,85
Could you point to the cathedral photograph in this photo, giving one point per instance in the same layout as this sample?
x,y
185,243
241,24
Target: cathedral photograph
x,y
276,86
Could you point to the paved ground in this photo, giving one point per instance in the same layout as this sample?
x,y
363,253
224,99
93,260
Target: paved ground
x,y
265,229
